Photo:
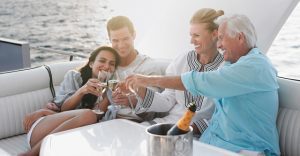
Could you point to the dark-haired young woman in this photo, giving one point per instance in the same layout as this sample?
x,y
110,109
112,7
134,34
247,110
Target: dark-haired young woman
x,y
78,92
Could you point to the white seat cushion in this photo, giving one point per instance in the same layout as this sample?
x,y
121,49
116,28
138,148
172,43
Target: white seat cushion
x,y
288,119
14,145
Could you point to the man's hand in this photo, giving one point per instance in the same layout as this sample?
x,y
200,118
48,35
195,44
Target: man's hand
x,y
120,98
136,81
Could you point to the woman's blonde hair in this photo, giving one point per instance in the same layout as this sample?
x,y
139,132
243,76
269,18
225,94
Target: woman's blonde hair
x,y
207,15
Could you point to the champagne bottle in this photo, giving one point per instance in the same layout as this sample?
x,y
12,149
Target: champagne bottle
x,y
182,126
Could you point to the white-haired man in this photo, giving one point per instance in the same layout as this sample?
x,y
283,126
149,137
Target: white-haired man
x,y
245,90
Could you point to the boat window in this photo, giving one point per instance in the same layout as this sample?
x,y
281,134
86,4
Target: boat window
x,y
285,50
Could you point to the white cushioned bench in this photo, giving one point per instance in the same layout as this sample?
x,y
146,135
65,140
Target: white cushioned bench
x,y
22,92
25,91
288,120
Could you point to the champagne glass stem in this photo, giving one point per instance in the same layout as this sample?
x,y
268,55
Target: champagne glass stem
x,y
131,104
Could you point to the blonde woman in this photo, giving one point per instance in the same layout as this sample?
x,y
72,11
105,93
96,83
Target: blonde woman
x,y
204,57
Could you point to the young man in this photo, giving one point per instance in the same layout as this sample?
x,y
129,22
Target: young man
x,y
245,90
122,34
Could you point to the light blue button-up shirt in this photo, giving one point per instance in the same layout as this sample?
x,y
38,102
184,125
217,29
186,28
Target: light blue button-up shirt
x,y
246,101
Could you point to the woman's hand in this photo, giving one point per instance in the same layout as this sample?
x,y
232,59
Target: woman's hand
x,y
92,86
31,118
52,106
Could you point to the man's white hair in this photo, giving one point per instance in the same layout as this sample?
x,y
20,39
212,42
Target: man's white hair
x,y
239,24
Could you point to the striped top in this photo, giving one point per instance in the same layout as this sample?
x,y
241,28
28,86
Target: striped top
x,y
174,101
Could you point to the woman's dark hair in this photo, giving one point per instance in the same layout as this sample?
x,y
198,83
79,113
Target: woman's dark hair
x,y
88,100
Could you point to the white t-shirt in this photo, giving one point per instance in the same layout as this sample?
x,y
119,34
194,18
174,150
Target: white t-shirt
x,y
145,65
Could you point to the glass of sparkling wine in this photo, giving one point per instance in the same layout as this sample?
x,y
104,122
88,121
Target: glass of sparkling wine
x,y
132,93
103,77
112,84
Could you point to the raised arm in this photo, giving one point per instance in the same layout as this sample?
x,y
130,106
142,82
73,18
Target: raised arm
x,y
171,82
89,88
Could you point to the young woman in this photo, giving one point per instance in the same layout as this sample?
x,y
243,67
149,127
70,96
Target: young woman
x,y
203,58
78,92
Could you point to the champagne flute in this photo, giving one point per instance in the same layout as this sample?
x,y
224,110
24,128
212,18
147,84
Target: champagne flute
x,y
103,77
112,84
132,92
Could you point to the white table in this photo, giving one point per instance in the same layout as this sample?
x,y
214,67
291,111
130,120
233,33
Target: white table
x,y
117,137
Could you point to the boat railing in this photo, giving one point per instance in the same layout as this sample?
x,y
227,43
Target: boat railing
x,y
68,53
15,54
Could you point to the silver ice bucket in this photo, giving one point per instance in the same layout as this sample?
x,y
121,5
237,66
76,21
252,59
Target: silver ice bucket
x,y
160,144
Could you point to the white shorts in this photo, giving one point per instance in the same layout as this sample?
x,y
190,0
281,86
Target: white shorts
x,y
31,129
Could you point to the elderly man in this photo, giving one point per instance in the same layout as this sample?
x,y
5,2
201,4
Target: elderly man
x,y
244,89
